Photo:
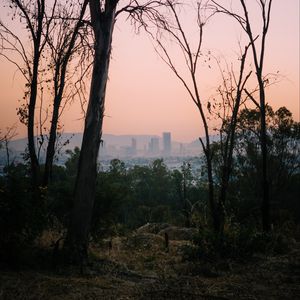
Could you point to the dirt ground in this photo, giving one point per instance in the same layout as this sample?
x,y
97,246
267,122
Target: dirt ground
x,y
140,268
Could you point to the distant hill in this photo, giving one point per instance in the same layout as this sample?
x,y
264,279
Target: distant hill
x,y
116,145
75,139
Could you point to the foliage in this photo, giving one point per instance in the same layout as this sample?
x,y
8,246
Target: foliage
x,y
283,160
238,243
22,218
127,198
245,186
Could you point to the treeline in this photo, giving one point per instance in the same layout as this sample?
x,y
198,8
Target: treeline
x,y
128,198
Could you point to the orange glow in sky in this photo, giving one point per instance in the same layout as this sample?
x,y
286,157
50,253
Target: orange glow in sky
x,y
143,95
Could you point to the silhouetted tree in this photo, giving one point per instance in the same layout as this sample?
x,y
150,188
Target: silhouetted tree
x,y
231,98
37,19
63,43
54,33
283,144
102,19
258,58
174,28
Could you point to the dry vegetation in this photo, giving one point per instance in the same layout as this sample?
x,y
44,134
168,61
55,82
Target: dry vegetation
x,y
139,267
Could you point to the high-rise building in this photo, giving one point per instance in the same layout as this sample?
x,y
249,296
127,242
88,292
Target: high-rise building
x,y
167,148
133,146
154,146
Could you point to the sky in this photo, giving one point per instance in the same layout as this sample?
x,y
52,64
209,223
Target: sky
x,y
145,97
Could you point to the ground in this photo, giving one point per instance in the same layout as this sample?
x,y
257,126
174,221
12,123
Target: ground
x,y
139,267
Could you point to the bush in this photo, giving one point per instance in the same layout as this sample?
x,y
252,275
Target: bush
x,y
237,242
22,216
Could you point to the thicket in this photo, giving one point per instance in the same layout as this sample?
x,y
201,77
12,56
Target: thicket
x,y
128,198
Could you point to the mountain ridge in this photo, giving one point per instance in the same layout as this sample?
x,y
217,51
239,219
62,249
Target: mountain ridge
x,y
125,140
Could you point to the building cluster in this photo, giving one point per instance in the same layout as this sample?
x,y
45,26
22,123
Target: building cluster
x,y
156,146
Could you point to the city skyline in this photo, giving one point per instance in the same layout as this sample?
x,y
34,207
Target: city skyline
x,y
114,146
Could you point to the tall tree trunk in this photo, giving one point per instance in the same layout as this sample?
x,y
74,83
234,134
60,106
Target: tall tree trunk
x,y
85,186
214,209
259,63
51,143
264,151
37,36
34,163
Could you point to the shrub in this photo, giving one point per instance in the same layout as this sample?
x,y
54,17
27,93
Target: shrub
x,y
237,242
22,216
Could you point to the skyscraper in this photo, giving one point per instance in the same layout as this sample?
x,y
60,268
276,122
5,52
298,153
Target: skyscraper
x,y
133,146
167,148
154,146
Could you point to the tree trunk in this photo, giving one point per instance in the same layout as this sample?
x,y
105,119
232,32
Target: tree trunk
x,y
34,163
264,151
214,209
51,143
85,186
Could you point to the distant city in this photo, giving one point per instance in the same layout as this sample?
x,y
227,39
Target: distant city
x,y
146,146
132,149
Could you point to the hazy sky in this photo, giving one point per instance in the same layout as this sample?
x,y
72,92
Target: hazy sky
x,y
144,97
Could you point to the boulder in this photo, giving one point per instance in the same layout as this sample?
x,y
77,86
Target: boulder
x,y
179,233
144,241
153,228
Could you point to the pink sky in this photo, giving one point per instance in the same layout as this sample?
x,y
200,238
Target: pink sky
x,y
144,97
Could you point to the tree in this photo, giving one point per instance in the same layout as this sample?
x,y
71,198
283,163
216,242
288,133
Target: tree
x,y
34,15
63,43
183,180
174,29
53,31
258,58
102,22
283,145
102,19
232,97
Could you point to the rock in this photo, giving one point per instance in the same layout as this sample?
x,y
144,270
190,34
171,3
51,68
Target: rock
x,y
144,241
179,233
153,228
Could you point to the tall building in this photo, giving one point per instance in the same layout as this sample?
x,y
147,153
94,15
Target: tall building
x,y
154,146
167,148
133,146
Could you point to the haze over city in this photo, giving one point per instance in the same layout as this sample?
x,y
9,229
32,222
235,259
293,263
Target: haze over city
x,y
144,97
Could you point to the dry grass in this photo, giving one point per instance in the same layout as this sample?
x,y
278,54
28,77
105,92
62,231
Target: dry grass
x,y
138,267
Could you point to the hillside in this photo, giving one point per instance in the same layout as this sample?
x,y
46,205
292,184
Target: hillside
x,y
138,267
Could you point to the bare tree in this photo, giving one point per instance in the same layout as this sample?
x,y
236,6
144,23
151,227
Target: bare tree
x,y
63,44
175,31
37,21
59,35
231,93
258,58
231,100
